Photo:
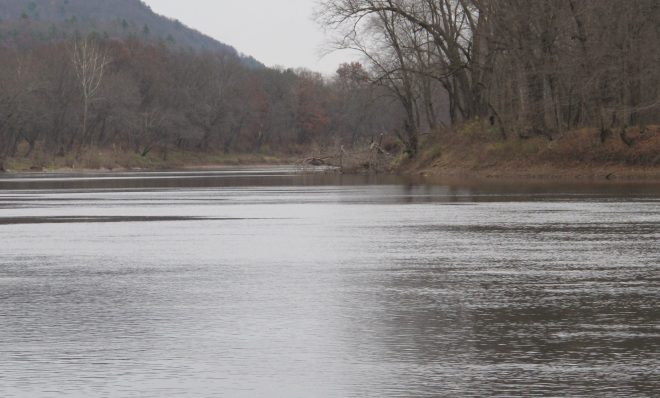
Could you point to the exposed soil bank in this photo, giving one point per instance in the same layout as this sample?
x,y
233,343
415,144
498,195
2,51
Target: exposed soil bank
x,y
579,155
541,172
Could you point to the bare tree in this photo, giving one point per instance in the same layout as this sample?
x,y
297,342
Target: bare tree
x,y
89,64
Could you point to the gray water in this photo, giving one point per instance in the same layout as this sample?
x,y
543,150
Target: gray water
x,y
270,283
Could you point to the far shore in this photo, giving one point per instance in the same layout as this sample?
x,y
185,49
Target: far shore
x,y
100,160
611,173
462,155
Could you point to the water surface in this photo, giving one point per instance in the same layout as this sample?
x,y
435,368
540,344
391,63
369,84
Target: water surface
x,y
268,282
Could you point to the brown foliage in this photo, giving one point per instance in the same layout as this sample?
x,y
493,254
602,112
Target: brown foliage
x,y
144,98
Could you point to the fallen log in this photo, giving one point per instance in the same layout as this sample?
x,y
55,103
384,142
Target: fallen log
x,y
315,161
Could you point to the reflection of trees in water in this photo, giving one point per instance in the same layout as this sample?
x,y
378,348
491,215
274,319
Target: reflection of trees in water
x,y
524,312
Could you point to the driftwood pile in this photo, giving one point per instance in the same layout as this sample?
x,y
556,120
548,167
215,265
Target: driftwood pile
x,y
371,159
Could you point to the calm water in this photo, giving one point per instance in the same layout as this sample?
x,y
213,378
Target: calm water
x,y
270,283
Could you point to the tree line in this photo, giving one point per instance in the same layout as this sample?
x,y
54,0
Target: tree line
x,y
542,67
69,96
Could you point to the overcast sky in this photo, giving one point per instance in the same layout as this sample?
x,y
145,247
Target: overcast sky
x,y
276,32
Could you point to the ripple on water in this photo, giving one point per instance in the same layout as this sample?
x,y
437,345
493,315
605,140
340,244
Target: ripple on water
x,y
245,284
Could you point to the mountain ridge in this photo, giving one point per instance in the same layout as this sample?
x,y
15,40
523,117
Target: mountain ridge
x,y
26,22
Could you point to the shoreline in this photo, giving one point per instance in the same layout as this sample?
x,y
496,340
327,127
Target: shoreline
x,y
470,153
542,172
611,173
110,161
581,156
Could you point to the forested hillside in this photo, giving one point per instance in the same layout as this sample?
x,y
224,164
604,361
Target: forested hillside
x,y
24,22
558,81
74,98
86,80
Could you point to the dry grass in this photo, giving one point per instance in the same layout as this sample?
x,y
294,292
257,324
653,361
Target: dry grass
x,y
471,151
109,159
481,152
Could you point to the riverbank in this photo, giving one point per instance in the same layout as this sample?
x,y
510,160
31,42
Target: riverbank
x,y
111,160
472,152
580,155
521,171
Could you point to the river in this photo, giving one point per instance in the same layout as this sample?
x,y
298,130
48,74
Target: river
x,y
269,282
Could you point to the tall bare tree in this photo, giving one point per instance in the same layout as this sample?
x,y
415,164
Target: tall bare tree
x,y
89,64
